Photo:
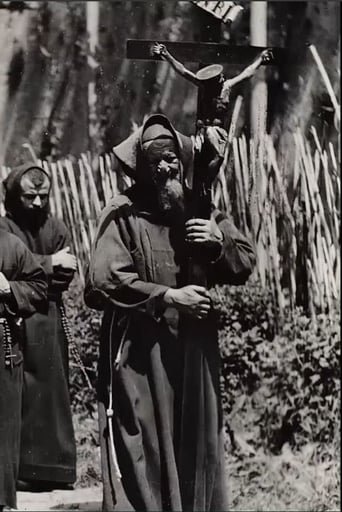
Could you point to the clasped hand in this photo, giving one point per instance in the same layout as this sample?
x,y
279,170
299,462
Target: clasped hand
x,y
195,300
64,259
192,300
203,232
5,288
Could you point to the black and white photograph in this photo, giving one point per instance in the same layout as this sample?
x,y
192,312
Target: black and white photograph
x,y
170,255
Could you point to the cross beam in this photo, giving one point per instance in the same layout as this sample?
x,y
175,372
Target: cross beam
x,y
206,53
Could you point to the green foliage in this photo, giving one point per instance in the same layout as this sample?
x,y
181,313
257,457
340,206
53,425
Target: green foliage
x,y
280,388
88,450
276,388
85,327
280,394
304,479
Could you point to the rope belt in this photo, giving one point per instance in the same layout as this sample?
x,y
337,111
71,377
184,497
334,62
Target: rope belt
x,y
110,411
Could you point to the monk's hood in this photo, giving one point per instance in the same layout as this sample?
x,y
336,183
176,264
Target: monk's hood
x,y
129,151
12,184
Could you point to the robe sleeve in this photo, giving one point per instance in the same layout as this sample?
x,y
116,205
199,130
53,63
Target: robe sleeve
x,y
236,260
45,261
112,275
28,285
58,278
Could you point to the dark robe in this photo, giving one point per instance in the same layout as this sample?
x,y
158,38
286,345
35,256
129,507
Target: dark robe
x,y
167,419
48,449
29,289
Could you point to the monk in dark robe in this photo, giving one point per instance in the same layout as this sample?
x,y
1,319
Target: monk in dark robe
x,y
23,287
48,451
161,441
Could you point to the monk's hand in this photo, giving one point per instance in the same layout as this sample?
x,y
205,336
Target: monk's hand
x,y
205,233
5,289
64,259
217,138
192,300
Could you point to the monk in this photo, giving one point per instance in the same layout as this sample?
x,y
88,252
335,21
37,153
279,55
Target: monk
x,y
23,288
48,451
161,447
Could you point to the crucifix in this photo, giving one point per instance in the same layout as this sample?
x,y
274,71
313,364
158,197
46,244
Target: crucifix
x,y
212,87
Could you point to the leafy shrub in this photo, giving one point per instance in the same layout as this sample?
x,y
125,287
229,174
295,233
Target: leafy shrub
x,y
85,328
276,388
282,388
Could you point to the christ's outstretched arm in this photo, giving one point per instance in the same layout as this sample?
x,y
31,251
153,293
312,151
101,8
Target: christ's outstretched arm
x,y
160,49
249,71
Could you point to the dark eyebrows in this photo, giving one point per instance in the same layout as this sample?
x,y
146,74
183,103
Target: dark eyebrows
x,y
170,153
32,195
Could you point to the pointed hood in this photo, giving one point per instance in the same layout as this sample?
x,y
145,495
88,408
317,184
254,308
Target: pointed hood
x,y
129,152
12,186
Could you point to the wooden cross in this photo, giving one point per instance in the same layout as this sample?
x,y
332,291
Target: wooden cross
x,y
204,53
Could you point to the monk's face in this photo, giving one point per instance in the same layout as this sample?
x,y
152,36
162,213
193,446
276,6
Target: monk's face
x,y
164,166
34,196
165,171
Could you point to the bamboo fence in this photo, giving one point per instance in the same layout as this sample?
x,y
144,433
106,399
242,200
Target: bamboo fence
x,y
292,215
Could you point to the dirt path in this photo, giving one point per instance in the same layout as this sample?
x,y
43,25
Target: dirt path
x,y
77,499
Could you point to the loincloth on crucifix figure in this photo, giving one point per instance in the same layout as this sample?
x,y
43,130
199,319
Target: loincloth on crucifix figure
x,y
215,88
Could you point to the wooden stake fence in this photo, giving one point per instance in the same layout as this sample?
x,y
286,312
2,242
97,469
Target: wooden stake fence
x,y
296,235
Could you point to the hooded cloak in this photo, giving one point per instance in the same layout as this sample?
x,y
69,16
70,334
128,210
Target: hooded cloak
x,y
29,288
168,444
48,450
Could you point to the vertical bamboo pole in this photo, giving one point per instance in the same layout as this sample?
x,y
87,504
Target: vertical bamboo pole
x,y
112,175
239,186
92,186
92,16
258,30
44,164
104,182
86,202
78,212
56,191
71,220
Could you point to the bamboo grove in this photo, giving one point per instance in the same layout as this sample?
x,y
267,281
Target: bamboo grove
x,y
292,215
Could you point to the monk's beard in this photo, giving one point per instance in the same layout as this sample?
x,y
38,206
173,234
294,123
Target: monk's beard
x,y
31,218
171,200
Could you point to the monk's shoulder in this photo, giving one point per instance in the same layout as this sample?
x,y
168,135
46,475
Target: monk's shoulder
x,y
55,225
6,223
12,243
119,206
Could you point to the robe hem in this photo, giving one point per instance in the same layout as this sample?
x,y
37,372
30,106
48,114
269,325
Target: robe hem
x,y
47,473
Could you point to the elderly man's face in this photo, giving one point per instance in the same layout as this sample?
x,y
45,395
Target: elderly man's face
x,y
163,166
34,191
165,172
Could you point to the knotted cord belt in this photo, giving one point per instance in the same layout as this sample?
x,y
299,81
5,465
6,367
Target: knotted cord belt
x,y
114,365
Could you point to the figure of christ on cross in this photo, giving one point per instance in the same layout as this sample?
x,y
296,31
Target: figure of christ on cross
x,y
214,87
